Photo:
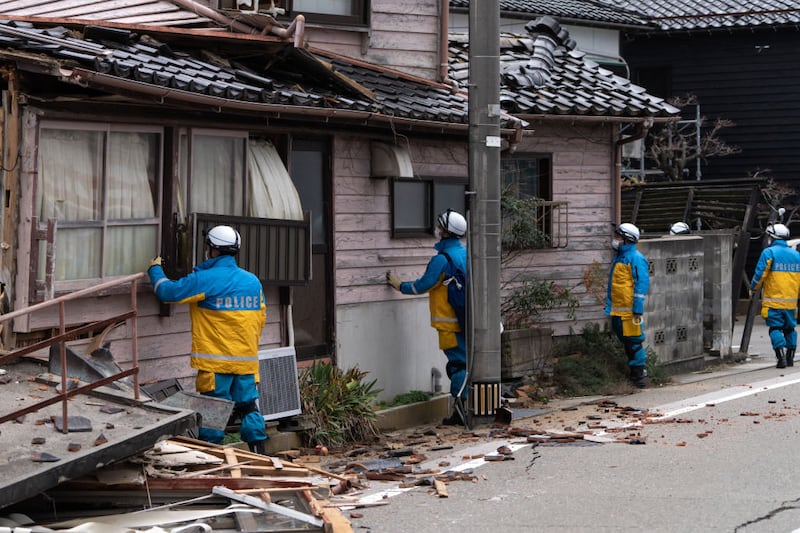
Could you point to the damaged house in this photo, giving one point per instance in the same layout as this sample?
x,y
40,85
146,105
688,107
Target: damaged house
x,y
125,136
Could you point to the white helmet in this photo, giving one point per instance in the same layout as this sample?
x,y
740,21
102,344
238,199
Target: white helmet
x,y
679,228
778,231
628,231
453,222
224,238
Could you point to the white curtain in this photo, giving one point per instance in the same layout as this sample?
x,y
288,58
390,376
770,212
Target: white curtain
x,y
70,189
217,171
273,192
132,195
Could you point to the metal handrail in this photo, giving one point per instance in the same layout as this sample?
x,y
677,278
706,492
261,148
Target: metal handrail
x,y
63,335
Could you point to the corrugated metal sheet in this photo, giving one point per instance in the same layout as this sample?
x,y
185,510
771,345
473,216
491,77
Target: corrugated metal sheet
x,y
152,12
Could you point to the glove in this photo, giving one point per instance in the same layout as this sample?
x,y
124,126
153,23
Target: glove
x,y
637,319
156,261
393,280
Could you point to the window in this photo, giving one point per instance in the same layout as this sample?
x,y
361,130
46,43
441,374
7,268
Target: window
x,y
345,12
416,202
527,176
102,185
212,176
527,180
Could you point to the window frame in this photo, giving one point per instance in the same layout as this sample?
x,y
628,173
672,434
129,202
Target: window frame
x,y
544,188
359,14
106,128
431,206
186,173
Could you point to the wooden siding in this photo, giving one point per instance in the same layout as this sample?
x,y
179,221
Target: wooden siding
x,y
403,35
583,176
749,77
365,248
164,343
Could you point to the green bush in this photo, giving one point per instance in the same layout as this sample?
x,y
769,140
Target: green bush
x,y
594,363
406,398
339,405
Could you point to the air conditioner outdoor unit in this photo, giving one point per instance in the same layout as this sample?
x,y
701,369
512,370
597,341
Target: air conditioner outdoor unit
x,y
278,387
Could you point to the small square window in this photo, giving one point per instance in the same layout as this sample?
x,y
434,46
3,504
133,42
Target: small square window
x,y
416,202
339,12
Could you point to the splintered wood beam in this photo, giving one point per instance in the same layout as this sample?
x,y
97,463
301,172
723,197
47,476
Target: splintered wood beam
x,y
230,458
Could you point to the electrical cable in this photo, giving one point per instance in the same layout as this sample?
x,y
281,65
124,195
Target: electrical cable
x,y
469,334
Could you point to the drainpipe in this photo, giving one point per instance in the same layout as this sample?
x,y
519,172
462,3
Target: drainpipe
x,y
296,28
214,15
444,42
642,129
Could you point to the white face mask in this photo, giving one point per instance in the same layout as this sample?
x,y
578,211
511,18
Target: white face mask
x,y
616,243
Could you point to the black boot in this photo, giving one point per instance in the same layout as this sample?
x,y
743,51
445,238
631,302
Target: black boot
x,y
790,356
459,416
780,353
638,376
257,447
453,420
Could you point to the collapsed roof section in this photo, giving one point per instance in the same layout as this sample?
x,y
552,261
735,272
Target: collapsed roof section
x,y
543,74
257,75
236,73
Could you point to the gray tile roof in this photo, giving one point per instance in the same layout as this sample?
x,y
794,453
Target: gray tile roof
x,y
565,9
542,73
295,77
713,14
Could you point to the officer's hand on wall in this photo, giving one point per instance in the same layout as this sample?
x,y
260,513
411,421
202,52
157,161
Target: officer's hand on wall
x,y
393,280
156,261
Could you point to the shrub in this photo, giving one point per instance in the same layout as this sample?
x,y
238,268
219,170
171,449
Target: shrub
x,y
339,405
406,398
594,362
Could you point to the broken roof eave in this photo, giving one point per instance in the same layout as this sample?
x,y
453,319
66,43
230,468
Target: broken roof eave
x,y
88,78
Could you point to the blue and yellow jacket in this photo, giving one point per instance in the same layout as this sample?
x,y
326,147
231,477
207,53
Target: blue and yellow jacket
x,y
628,282
443,317
778,270
228,312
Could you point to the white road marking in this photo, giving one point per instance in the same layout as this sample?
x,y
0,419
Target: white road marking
x,y
674,409
666,411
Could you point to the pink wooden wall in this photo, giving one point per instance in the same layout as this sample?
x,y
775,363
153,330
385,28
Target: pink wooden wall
x,y
404,35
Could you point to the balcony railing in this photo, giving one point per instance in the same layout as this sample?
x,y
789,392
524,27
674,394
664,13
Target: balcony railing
x,y
64,335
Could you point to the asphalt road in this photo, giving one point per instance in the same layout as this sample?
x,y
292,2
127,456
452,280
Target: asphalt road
x,y
719,454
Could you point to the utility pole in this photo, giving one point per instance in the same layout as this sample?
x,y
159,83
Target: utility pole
x,y
484,180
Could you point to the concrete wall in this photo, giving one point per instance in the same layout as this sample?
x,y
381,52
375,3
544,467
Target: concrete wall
x,y
718,291
674,305
394,342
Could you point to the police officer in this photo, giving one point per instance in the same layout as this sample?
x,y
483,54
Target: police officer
x,y
628,283
778,273
451,227
228,312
